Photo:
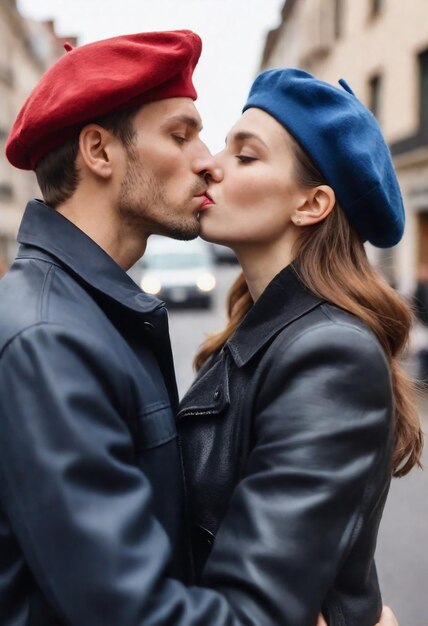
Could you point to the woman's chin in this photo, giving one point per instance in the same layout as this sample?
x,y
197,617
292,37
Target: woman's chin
x,y
212,234
207,234
210,238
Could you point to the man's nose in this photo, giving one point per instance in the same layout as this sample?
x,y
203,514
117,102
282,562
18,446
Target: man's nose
x,y
209,168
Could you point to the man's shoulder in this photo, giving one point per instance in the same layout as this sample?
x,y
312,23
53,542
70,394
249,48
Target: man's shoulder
x,y
20,292
35,292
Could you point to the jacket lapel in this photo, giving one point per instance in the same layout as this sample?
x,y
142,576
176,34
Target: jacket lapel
x,y
284,300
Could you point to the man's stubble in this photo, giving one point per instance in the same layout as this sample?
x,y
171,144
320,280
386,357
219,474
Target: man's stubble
x,y
143,204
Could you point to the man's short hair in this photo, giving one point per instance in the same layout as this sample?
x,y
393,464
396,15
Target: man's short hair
x,y
57,173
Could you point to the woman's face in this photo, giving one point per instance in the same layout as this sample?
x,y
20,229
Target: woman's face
x,y
258,194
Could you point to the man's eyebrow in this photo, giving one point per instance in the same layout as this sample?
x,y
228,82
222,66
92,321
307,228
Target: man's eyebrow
x,y
193,122
242,135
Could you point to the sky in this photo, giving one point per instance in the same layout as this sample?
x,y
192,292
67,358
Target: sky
x,y
233,34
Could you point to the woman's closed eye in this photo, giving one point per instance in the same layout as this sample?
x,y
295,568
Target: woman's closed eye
x,y
243,158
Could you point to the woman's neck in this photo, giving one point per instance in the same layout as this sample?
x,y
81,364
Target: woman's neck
x,y
260,264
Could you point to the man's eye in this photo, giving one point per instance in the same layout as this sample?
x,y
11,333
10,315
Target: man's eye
x,y
245,159
179,139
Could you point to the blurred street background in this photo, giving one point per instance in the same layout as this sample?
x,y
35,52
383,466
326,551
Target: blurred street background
x,y
380,47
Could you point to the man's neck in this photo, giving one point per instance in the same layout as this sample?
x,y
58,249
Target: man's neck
x,y
102,224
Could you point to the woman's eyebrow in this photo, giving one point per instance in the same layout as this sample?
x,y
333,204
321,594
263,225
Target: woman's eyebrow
x,y
242,135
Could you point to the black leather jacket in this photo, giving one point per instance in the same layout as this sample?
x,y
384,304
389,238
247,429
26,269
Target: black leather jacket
x,y
286,438
92,525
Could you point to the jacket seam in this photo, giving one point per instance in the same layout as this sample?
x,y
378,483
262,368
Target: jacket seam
x,y
365,500
367,332
43,306
370,335
319,325
337,608
359,514
22,331
154,408
191,573
21,257
191,413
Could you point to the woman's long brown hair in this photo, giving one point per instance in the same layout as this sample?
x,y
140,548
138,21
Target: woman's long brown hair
x,y
332,263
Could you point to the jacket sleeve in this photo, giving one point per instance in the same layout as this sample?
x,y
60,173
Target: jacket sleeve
x,y
321,431
79,506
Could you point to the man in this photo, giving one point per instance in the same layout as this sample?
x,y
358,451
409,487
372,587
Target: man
x,y
91,494
92,504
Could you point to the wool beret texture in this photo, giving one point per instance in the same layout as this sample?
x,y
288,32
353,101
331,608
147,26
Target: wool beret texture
x,y
100,78
344,141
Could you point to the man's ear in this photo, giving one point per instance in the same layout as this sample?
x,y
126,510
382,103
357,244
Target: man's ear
x,y
95,145
318,204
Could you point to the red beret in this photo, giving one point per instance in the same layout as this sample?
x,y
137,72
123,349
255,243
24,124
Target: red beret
x,y
100,78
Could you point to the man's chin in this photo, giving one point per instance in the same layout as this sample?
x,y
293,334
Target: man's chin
x,y
183,232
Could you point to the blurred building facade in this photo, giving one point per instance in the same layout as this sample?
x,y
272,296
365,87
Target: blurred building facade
x,y
27,48
381,48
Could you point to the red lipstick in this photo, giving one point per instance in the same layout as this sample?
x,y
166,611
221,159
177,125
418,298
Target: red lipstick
x,y
206,201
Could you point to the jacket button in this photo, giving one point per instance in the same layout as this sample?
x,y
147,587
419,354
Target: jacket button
x,y
217,394
148,326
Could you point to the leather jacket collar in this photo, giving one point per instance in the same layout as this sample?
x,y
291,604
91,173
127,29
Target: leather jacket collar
x,y
284,300
43,230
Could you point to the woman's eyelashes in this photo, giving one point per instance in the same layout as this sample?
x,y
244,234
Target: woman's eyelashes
x,y
243,158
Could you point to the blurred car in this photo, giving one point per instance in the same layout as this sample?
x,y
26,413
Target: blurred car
x,y
179,272
223,254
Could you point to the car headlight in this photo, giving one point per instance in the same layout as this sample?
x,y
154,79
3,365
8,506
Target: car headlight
x,y
206,281
150,284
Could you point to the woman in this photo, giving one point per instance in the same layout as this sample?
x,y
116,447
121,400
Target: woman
x,y
300,413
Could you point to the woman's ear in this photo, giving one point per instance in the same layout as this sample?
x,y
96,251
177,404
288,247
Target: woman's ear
x,y
95,149
319,203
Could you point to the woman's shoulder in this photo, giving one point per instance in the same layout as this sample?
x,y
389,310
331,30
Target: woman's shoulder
x,y
328,330
328,358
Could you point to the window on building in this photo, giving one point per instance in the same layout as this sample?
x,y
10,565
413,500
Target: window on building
x,y
6,46
376,6
375,94
338,18
6,75
6,191
420,138
423,97
422,237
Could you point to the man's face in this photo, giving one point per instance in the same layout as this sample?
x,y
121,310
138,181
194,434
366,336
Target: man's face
x,y
162,191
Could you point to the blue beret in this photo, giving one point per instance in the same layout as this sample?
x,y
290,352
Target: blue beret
x,y
344,141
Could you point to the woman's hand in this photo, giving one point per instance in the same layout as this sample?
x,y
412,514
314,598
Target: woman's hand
x,y
386,619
